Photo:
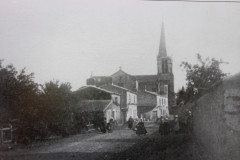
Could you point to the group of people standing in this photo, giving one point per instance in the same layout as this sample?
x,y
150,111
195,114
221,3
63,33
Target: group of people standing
x,y
106,126
139,127
167,127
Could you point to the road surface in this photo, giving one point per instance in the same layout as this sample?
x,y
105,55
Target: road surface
x,y
82,146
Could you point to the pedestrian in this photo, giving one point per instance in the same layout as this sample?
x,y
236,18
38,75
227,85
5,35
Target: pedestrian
x,y
166,127
176,126
189,122
141,128
161,130
130,122
110,125
103,125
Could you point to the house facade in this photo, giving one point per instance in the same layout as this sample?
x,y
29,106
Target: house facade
x,y
152,106
128,102
95,99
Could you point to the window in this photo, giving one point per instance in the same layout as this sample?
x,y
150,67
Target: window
x,y
116,100
165,88
165,66
129,98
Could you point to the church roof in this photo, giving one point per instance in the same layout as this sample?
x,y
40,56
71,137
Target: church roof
x,y
121,71
146,78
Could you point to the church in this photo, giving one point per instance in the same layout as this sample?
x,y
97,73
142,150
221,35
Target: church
x,y
161,83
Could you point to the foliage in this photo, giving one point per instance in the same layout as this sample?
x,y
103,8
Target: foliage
x,y
56,106
35,112
19,100
19,93
201,76
181,96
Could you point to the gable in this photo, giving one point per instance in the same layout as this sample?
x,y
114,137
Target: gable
x,y
92,93
122,79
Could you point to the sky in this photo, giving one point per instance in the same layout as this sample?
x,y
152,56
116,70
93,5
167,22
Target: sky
x,y
68,40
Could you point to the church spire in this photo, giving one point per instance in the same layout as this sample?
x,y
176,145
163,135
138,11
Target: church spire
x,y
162,48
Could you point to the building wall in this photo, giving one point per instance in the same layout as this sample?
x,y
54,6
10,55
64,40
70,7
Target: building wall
x,y
149,86
127,99
132,111
131,105
146,99
168,79
131,98
99,80
162,104
116,99
124,80
113,112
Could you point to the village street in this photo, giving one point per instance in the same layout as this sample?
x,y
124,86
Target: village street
x,y
83,146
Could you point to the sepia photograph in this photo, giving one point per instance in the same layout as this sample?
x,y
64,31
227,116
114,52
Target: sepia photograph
x,y
120,80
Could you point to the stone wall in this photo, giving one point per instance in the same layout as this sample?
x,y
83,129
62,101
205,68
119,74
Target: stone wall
x,y
216,118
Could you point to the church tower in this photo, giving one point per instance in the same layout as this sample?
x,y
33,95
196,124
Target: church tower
x,y
165,77
164,63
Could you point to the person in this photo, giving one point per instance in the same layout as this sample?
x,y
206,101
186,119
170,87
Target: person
x,y
161,131
166,127
141,128
189,122
176,126
110,125
103,125
130,122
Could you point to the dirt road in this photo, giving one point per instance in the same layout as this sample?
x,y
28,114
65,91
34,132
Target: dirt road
x,y
87,146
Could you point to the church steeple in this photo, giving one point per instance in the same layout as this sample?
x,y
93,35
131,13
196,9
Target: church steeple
x,y
162,48
164,63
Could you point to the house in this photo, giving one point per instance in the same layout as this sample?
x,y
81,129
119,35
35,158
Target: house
x,y
128,102
95,99
151,105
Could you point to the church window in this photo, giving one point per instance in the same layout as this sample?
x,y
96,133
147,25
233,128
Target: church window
x,y
165,66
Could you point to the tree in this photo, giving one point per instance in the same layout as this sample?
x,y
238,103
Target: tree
x,y
181,96
201,76
18,94
19,101
56,107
